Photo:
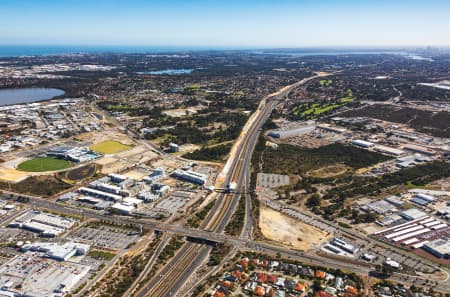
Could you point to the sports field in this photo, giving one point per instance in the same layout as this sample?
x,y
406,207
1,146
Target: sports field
x,y
109,147
44,164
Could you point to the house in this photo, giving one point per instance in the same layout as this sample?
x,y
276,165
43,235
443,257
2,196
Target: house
x,y
259,291
351,290
320,274
219,294
323,294
272,278
261,277
301,287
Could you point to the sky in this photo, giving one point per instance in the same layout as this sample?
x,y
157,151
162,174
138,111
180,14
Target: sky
x,y
226,23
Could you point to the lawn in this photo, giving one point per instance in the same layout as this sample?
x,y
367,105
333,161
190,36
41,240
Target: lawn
x,y
44,164
109,147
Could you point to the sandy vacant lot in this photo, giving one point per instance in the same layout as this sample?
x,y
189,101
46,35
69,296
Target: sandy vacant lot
x,y
12,175
283,229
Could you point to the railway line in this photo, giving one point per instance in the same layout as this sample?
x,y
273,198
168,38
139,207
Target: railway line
x,y
174,274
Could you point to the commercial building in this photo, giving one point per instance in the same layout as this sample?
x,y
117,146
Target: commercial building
x,y
45,224
439,247
100,194
412,214
56,251
388,150
33,275
75,154
419,149
174,148
342,244
125,209
190,176
292,132
380,207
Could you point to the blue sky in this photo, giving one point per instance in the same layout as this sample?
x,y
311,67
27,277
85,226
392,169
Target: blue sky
x,y
245,23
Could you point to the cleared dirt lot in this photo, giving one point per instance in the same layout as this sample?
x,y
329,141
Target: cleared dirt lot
x,y
283,229
12,175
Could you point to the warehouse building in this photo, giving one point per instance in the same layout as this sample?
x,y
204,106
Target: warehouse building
x,y
412,214
190,176
362,143
292,132
32,275
439,247
99,194
56,251
45,224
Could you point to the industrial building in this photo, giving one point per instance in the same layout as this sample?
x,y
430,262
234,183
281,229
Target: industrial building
x,y
362,143
412,214
342,244
32,275
422,199
190,176
99,194
388,150
292,132
439,247
380,207
59,252
45,224
155,176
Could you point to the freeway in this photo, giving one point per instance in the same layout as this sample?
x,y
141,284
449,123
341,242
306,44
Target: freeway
x,y
192,255
240,243
176,273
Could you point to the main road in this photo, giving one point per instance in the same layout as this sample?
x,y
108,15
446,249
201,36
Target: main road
x,y
174,275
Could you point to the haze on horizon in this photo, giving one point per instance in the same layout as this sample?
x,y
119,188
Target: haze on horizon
x,y
233,23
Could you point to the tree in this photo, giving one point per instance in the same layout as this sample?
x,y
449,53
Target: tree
x,y
313,201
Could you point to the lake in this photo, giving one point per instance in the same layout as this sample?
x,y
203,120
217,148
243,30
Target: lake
x,y
27,95
167,72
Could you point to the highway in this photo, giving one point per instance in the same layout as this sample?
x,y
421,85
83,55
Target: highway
x,y
191,255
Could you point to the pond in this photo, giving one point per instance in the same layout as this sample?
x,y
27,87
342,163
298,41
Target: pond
x,y
27,95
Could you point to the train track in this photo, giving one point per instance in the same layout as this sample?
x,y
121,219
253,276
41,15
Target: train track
x,y
184,262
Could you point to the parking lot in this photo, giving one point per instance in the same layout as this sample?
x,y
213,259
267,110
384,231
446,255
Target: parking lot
x,y
405,261
106,236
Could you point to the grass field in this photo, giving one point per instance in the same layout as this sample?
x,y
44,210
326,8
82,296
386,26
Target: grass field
x,y
44,164
109,147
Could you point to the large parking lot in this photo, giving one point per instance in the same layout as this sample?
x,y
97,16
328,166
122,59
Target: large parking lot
x,y
405,261
106,236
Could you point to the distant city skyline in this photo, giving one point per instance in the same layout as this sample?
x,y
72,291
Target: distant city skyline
x,y
240,24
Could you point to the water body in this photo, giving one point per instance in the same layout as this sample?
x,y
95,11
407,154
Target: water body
x,y
167,72
39,50
332,53
27,95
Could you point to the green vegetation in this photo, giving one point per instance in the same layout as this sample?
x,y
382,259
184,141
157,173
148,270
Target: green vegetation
x,y
170,249
434,123
326,82
196,220
109,147
212,153
418,175
124,272
44,185
302,160
236,223
103,255
218,252
44,164
308,110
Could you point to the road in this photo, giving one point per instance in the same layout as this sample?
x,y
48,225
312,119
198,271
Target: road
x,y
190,257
